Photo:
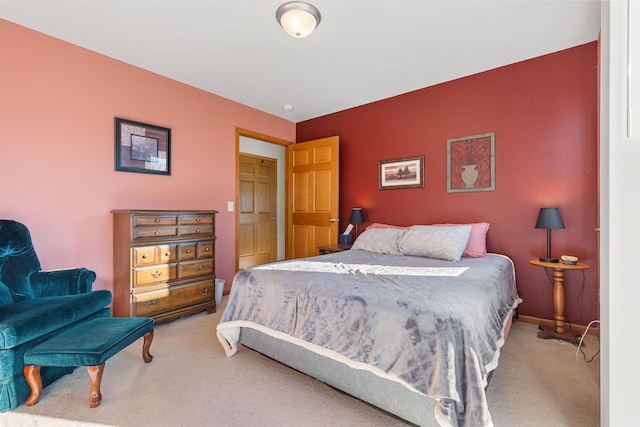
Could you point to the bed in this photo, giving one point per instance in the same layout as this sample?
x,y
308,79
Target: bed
x,y
405,320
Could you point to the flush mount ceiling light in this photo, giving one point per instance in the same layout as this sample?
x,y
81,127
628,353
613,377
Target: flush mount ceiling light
x,y
298,18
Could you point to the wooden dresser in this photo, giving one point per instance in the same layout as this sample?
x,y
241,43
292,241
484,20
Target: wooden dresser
x,y
163,263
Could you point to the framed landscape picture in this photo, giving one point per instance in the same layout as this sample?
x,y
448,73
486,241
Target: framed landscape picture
x,y
405,172
142,148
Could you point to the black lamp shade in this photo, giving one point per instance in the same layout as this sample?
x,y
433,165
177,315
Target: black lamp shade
x,y
549,218
356,216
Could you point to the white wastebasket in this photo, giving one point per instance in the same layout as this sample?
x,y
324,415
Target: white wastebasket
x,y
219,288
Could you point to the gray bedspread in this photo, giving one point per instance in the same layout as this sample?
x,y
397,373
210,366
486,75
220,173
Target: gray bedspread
x,y
435,326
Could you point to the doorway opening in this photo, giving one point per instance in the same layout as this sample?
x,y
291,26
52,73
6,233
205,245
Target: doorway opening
x,y
262,147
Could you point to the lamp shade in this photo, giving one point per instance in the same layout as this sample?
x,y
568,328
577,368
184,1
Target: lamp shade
x,y
549,218
298,18
356,216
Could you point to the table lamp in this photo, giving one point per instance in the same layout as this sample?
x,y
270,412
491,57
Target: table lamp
x,y
356,218
549,218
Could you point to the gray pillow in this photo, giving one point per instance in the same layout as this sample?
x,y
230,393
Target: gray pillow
x,y
436,241
380,240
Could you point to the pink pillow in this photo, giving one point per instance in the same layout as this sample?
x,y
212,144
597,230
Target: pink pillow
x,y
477,244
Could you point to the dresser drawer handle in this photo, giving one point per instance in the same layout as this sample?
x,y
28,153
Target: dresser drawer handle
x,y
167,254
197,267
145,256
157,220
197,230
206,249
156,274
197,219
204,291
151,304
189,251
157,233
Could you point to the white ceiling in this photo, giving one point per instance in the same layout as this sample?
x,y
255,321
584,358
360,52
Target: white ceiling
x,y
363,51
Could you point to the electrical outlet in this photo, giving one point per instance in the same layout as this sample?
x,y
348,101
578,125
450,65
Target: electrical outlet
x,y
229,206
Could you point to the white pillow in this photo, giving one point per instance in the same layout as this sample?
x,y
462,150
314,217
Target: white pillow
x,y
380,240
436,241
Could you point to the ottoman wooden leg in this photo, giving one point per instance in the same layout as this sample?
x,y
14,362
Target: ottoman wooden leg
x,y
32,374
146,356
95,378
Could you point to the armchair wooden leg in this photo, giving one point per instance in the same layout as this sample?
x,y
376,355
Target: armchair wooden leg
x,y
95,378
32,374
146,356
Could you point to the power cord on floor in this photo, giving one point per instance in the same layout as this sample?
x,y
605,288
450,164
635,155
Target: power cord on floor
x,y
574,335
580,344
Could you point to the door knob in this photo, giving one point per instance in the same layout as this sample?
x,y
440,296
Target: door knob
x,y
332,219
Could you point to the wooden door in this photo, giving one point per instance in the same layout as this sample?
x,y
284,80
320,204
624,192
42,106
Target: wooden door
x,y
257,243
312,197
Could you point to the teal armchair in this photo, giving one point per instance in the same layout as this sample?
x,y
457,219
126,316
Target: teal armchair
x,y
36,305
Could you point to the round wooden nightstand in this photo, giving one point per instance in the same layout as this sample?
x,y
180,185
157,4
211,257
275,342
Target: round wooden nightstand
x,y
558,331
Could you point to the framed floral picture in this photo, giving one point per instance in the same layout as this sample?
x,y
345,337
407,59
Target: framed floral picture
x,y
142,148
471,163
405,172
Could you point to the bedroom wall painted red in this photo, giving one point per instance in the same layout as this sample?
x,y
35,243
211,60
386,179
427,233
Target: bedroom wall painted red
x,y
544,114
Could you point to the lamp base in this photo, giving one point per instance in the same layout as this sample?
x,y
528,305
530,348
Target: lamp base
x,y
344,239
549,260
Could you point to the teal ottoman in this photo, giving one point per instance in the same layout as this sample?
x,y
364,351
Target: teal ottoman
x,y
88,344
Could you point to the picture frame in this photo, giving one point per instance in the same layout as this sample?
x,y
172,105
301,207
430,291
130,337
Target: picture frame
x,y
142,148
404,172
471,163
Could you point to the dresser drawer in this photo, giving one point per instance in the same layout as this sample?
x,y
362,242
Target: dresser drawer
x,y
150,303
150,255
187,251
196,230
144,256
195,268
166,254
154,232
205,249
146,220
196,219
155,274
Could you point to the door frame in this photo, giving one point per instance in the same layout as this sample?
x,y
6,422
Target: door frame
x,y
240,132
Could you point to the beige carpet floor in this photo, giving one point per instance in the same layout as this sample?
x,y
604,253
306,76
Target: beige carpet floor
x,y
191,383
